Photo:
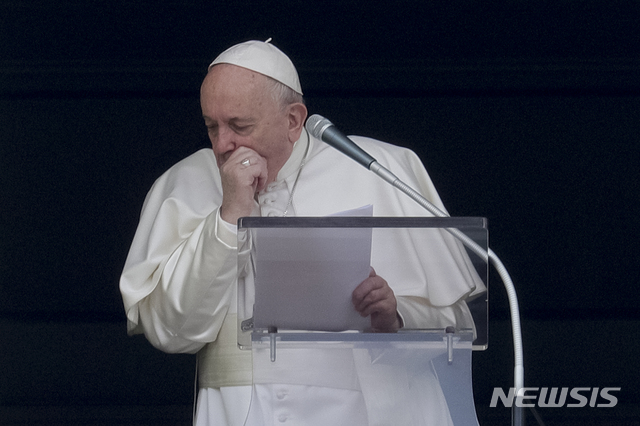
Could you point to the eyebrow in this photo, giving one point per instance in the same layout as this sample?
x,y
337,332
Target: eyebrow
x,y
235,120
243,120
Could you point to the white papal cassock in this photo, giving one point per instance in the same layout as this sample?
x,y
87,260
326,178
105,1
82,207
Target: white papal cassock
x,y
179,280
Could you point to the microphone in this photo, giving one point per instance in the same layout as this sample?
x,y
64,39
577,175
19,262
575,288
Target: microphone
x,y
323,129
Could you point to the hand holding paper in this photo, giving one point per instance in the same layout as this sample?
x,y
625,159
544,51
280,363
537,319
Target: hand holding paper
x,y
374,297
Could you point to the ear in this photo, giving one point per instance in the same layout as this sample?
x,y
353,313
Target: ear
x,y
297,115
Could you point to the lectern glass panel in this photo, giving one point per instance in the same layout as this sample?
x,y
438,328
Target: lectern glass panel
x,y
297,274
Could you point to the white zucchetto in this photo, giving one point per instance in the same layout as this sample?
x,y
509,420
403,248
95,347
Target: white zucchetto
x,y
264,58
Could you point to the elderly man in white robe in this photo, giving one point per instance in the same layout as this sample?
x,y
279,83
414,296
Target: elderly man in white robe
x,y
179,281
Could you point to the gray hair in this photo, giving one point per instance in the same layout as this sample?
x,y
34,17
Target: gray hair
x,y
283,95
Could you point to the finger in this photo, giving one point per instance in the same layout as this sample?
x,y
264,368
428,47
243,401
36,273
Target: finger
x,y
243,174
363,293
375,300
387,323
364,287
261,178
243,158
258,172
382,307
245,168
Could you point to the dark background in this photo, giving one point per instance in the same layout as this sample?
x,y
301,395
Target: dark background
x,y
527,113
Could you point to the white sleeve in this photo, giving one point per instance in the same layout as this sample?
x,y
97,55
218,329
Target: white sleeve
x,y
179,278
418,313
195,288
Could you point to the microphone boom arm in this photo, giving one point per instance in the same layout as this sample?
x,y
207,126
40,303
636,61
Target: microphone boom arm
x,y
323,129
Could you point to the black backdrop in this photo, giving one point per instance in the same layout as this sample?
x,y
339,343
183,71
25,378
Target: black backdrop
x,y
527,113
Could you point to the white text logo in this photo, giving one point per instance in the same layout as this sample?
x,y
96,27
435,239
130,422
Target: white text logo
x,y
556,397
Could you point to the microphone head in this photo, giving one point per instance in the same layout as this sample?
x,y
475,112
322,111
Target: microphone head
x,y
316,125
321,128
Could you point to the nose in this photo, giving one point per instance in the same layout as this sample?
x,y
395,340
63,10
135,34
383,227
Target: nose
x,y
224,140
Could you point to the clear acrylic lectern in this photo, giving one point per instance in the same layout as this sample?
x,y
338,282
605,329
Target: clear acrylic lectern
x,y
295,279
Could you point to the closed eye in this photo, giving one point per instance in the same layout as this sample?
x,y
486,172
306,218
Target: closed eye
x,y
212,129
241,129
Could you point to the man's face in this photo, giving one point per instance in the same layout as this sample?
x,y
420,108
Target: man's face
x,y
238,111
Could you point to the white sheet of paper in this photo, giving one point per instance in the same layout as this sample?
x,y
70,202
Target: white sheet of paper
x,y
305,276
